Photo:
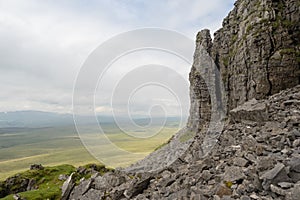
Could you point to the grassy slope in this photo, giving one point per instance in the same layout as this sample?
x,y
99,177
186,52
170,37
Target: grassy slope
x,y
54,146
47,180
49,186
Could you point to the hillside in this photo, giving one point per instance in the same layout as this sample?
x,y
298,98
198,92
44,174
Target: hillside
x,y
242,137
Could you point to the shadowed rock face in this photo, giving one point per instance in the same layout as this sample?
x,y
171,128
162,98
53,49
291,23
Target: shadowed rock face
x,y
257,52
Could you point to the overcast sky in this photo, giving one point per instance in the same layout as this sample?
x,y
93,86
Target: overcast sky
x,y
43,45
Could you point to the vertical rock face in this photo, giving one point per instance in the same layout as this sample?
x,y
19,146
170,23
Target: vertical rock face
x,y
199,93
257,52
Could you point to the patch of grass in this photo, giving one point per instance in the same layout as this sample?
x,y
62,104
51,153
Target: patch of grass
x,y
47,182
186,136
228,184
49,187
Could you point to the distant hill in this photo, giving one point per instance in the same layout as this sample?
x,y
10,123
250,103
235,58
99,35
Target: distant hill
x,y
38,119
33,119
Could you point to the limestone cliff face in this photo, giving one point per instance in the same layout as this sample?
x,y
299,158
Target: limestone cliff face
x,y
255,155
257,52
199,93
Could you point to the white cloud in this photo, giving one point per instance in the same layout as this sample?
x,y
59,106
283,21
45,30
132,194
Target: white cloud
x,y
44,43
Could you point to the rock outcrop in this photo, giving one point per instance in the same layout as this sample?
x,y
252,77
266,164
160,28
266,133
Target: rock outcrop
x,y
245,112
258,49
19,183
257,52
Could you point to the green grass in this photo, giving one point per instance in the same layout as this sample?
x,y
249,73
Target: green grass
x,y
49,187
61,145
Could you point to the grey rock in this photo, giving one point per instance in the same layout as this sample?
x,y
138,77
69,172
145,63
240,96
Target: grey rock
x,y
295,133
108,180
197,196
241,162
63,177
296,143
18,197
295,164
245,198
167,182
254,196
285,185
265,163
295,176
206,175
67,187
31,185
233,174
251,110
93,194
274,176
296,192
271,174
36,167
223,191
137,187
278,190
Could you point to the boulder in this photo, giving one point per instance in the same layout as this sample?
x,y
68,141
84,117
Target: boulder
x,y
36,167
233,174
274,176
137,187
251,110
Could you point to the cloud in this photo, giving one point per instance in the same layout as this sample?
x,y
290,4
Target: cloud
x,y
44,43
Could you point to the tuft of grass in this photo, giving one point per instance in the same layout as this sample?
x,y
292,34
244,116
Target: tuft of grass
x,y
228,184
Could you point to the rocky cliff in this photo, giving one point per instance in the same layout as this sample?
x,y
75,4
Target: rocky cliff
x,y
258,49
242,113
257,52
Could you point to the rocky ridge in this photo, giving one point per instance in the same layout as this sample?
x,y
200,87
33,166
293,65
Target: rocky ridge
x,y
254,158
254,151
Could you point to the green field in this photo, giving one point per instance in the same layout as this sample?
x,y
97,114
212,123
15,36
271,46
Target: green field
x,y
62,145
